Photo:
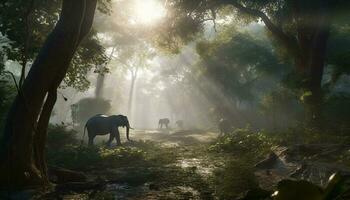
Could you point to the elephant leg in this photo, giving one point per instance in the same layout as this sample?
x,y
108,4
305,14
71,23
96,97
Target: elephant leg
x,y
117,136
91,140
127,136
111,137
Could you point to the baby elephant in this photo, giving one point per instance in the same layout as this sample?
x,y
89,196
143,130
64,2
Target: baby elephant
x,y
103,124
164,121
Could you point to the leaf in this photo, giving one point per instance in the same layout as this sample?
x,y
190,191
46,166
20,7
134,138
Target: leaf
x,y
334,187
297,190
305,95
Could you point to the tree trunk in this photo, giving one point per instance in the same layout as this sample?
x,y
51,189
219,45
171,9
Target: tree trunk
x,y
131,93
18,168
40,136
99,86
317,64
132,87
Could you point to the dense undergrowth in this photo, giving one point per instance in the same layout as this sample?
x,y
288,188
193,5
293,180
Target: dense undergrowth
x,y
244,148
230,158
65,150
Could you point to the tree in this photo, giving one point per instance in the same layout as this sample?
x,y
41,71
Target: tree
x,y
134,58
299,28
26,25
22,148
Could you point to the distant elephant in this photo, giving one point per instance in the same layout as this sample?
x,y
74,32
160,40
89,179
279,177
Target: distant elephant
x,y
224,126
180,123
164,121
103,124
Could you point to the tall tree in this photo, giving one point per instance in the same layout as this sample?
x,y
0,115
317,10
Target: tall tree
x,y
22,148
133,58
300,28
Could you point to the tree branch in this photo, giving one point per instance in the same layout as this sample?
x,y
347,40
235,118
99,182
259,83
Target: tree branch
x,y
288,42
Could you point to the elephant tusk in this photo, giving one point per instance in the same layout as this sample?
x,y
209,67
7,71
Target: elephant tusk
x,y
131,128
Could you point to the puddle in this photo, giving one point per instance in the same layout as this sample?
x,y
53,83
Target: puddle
x,y
197,165
183,192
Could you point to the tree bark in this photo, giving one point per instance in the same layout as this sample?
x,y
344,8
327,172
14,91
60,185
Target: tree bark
x,y
317,64
40,136
18,168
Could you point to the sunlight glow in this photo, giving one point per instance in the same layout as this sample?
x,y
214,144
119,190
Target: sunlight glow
x,y
148,11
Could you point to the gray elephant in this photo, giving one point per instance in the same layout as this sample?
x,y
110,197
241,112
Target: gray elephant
x,y
224,126
164,121
103,124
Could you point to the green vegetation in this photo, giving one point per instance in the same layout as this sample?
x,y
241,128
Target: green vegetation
x,y
272,76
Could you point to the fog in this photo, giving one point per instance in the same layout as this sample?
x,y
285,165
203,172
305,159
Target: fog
x,y
159,93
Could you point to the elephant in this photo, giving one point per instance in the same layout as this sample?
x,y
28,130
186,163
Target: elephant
x,y
103,124
180,123
224,126
164,121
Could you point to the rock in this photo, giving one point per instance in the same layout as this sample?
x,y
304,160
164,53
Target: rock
x,y
299,171
267,163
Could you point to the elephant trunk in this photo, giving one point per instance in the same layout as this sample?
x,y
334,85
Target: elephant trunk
x,y
127,131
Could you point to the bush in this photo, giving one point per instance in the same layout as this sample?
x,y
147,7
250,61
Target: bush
x,y
60,136
243,141
234,179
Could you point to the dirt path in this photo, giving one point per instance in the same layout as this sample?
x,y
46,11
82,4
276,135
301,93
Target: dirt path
x,y
180,168
175,137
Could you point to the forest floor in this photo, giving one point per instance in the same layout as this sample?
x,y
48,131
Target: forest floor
x,y
178,167
188,164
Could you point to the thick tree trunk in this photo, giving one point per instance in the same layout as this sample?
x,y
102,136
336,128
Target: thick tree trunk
x,y
40,136
317,64
17,165
99,86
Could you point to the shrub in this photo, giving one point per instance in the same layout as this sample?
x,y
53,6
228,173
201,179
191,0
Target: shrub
x,y
234,179
243,141
60,136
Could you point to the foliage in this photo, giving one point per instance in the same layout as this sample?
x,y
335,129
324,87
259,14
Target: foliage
x,y
238,64
89,55
235,178
7,95
88,107
244,142
336,111
64,151
291,27
60,136
27,23
338,53
82,157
